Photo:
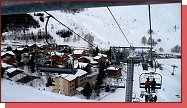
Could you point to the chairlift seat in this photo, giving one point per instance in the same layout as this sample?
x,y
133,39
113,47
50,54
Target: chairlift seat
x,y
157,86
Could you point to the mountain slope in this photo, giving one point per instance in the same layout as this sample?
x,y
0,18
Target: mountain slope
x,y
132,19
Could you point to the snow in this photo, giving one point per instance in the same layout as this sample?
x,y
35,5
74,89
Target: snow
x,y
93,62
112,68
4,65
8,52
13,92
80,72
104,55
19,49
97,57
56,53
171,86
80,64
79,89
78,51
71,77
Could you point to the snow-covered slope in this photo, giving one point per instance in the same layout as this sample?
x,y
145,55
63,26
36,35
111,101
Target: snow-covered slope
x,y
132,19
170,92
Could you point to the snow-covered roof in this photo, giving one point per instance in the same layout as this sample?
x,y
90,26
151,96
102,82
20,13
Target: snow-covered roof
x,y
78,51
97,57
71,77
104,55
13,69
56,53
80,64
4,65
8,52
79,89
112,68
20,48
80,72
93,62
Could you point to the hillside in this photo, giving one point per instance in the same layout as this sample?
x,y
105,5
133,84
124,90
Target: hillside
x,y
132,19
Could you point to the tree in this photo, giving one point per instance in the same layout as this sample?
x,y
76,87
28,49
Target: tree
x,y
2,72
87,91
159,40
64,33
96,51
41,18
149,41
9,48
161,49
49,82
90,39
144,40
18,57
107,89
176,49
31,62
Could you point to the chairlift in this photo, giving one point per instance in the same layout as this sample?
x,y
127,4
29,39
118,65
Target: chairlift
x,y
143,77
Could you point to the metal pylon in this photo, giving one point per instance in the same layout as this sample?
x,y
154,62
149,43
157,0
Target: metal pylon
x,y
129,82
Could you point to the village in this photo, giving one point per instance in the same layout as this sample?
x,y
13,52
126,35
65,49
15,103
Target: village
x,y
67,70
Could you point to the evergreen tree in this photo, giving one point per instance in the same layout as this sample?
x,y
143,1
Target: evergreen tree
x,y
96,51
9,48
87,91
107,89
2,72
144,40
49,82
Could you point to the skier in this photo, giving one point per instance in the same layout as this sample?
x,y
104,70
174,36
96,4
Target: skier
x,y
155,98
153,84
151,98
146,98
147,85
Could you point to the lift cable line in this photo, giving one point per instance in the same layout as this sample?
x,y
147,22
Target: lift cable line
x,y
69,28
118,26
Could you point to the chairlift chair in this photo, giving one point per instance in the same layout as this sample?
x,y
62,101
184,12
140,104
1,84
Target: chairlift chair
x,y
143,77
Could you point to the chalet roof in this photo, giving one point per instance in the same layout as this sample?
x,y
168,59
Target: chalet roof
x,y
6,58
80,72
97,57
93,62
20,49
4,65
112,68
80,64
79,89
78,51
13,69
55,53
8,52
71,77
104,55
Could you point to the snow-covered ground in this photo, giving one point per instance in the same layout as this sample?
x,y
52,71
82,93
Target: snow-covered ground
x,y
171,86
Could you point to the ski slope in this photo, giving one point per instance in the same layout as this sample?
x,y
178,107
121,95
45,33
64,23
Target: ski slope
x,y
133,20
